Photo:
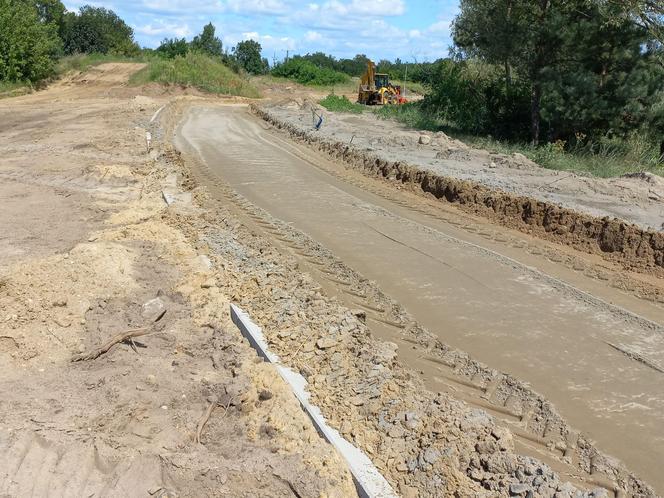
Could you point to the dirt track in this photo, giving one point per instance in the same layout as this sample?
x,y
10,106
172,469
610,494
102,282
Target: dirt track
x,y
525,307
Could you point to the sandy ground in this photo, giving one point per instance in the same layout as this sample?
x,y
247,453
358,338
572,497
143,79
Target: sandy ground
x,y
637,199
89,249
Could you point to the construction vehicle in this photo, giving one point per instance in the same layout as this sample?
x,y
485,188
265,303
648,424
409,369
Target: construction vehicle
x,y
376,89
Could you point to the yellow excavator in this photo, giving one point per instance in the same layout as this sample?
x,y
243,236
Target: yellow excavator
x,y
376,89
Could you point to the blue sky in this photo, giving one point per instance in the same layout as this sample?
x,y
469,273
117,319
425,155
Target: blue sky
x,y
410,29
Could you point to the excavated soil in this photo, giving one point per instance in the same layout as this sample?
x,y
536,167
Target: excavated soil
x,y
617,239
220,156
91,249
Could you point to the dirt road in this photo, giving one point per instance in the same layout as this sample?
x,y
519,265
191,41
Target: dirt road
x,y
522,306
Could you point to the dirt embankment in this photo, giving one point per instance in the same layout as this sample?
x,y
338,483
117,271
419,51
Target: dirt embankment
x,y
634,247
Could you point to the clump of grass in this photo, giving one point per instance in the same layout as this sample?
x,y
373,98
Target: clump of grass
x,y
14,88
410,115
336,103
198,71
630,155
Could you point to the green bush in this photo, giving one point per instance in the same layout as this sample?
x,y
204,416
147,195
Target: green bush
x,y
196,70
336,103
307,73
473,98
97,30
412,115
28,47
172,47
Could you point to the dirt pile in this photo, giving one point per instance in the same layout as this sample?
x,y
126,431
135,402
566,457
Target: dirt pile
x,y
634,247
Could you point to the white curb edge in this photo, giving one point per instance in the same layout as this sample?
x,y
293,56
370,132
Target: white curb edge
x,y
369,482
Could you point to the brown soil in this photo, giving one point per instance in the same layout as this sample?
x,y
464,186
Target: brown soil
x,y
90,250
634,247
215,141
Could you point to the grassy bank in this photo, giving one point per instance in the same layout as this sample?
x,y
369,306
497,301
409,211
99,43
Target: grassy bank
x,y
82,62
198,71
608,158
13,89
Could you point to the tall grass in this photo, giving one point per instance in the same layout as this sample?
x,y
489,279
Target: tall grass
x,y
605,159
198,71
409,115
13,89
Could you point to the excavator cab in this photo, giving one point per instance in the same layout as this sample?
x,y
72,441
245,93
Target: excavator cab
x,y
382,80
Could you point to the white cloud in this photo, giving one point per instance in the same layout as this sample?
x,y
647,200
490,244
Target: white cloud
x,y
443,26
164,29
269,43
258,6
312,36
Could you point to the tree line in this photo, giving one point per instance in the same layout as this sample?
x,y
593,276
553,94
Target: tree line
x,y
581,73
35,33
554,70
246,55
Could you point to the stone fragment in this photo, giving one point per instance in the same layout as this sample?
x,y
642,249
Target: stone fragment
x,y
204,261
431,455
326,342
408,491
518,489
153,308
424,140
410,421
209,283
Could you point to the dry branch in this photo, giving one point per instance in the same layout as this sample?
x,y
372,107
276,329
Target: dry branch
x,y
203,420
122,337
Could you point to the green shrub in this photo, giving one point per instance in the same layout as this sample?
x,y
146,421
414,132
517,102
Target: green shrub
x,y
28,47
336,103
307,73
196,70
97,30
411,114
